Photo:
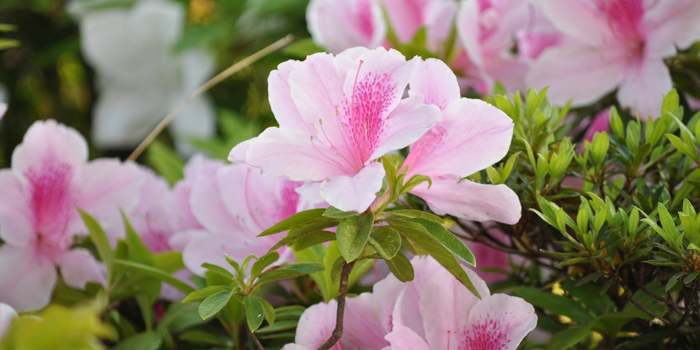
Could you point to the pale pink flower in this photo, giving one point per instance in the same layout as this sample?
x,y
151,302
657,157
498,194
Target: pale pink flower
x,y
50,177
337,116
501,38
616,44
487,257
472,136
234,205
340,25
7,314
408,16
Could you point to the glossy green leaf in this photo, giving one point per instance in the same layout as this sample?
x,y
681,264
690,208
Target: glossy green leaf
x,y
204,293
159,274
352,235
335,213
289,271
386,241
262,263
254,312
269,311
401,267
214,303
448,240
100,240
293,221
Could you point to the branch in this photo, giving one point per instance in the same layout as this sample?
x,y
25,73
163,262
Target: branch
x,y
342,292
255,340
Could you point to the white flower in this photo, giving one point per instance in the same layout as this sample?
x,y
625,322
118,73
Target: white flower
x,y
139,76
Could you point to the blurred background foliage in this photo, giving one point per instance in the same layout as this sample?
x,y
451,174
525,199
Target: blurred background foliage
x,y
46,76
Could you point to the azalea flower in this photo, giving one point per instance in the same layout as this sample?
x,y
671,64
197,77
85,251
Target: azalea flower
x,y
337,116
615,44
453,318
501,39
7,313
140,78
340,25
234,205
472,136
51,177
408,16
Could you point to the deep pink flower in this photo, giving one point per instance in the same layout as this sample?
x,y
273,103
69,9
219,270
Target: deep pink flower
x,y
50,177
337,115
233,206
472,136
615,44
501,38
408,16
340,25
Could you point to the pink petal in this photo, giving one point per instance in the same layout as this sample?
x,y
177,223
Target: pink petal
x,y
280,97
444,302
78,267
386,294
292,346
238,153
16,218
210,248
354,193
578,73
407,311
208,207
469,31
406,16
182,217
472,131
436,82
279,151
671,24
362,326
7,314
49,140
339,25
499,322
406,124
644,87
580,19
470,200
26,281
404,338
316,325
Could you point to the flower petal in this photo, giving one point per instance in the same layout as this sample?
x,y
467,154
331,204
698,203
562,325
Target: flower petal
x,y
316,325
204,247
339,25
208,207
407,310
644,87
472,131
404,338
78,267
578,73
470,200
500,322
16,217
7,314
48,140
25,281
580,19
281,102
354,193
671,24
362,326
436,82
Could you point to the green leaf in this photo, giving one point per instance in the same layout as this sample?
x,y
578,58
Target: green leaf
x,y
254,312
312,240
401,267
157,273
448,240
165,161
599,148
557,304
214,303
672,281
100,240
278,326
415,214
386,241
569,337
219,270
200,337
204,293
289,271
8,43
302,48
295,220
264,261
168,261
304,231
414,181
352,235
143,341
335,213
138,251
233,263
269,311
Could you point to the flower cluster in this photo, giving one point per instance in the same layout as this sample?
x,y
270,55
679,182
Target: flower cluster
x,y
582,49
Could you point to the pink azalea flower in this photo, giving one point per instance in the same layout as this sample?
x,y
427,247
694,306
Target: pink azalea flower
x,y
615,44
50,177
340,25
451,317
234,205
408,16
501,38
337,115
7,313
490,258
472,136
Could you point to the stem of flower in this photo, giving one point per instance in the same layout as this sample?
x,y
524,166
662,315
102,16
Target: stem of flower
x,y
342,292
208,85
255,340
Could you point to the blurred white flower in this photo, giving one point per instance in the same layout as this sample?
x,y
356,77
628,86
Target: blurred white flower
x,y
140,78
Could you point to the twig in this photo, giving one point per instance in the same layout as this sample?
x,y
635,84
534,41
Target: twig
x,y
255,340
208,85
342,292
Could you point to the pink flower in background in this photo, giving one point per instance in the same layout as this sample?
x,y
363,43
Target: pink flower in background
x,y
340,25
337,115
615,44
3,109
487,257
7,313
49,178
501,38
408,16
234,205
600,123
472,136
